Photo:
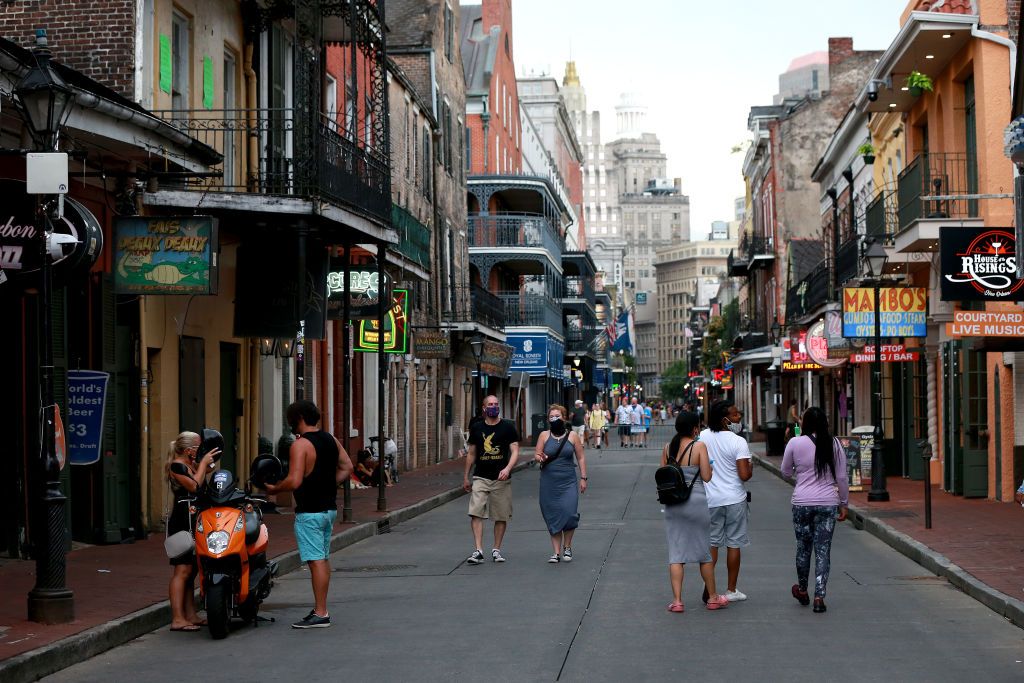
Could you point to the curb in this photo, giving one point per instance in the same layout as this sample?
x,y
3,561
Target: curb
x,y
51,658
1005,606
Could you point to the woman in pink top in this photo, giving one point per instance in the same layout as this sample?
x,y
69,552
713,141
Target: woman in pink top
x,y
820,497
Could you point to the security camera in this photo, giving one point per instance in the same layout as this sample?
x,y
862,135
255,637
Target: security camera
x,y
873,90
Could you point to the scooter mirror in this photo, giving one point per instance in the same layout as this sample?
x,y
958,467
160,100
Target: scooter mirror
x,y
212,439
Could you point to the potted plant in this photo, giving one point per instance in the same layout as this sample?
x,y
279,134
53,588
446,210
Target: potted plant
x,y
867,151
918,83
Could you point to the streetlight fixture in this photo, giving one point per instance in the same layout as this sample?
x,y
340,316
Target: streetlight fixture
x,y
402,381
286,347
421,383
467,386
268,345
776,331
874,259
446,384
44,98
476,344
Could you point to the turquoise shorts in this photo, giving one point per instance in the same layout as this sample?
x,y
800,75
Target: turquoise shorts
x,y
313,534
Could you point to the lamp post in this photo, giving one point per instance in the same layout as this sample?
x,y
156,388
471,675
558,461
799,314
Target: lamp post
x,y
476,344
45,100
875,258
421,388
402,384
776,332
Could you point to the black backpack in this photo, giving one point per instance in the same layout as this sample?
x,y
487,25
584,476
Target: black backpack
x,y
672,487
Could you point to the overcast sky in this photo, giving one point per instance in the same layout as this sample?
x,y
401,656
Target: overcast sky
x,y
699,66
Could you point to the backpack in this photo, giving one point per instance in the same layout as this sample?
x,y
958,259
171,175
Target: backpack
x,y
672,486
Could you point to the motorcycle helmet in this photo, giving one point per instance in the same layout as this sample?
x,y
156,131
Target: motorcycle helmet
x,y
266,469
211,439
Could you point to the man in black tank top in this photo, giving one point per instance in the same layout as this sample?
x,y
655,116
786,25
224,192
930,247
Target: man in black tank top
x,y
318,464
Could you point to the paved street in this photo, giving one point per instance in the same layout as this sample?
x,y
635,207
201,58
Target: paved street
x,y
406,607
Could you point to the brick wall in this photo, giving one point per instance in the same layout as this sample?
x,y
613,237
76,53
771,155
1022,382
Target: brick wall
x,y
95,37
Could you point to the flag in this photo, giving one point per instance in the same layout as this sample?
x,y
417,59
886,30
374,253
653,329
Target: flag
x,y
623,340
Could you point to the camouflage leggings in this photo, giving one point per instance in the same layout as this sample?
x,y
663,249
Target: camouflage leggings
x,y
814,525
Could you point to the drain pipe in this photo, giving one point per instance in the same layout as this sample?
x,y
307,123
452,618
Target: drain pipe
x,y
143,417
252,160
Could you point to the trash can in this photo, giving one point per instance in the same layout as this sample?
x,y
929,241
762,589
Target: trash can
x,y
775,437
538,423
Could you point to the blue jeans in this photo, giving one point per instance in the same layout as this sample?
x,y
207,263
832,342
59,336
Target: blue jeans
x,y
814,526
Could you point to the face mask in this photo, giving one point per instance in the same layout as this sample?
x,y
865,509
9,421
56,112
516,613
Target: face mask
x,y
557,425
735,427
492,411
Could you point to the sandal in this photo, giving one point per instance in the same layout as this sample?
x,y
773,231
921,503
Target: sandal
x,y
191,628
675,607
718,602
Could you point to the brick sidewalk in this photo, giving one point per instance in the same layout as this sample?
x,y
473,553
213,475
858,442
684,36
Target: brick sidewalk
x,y
979,535
112,581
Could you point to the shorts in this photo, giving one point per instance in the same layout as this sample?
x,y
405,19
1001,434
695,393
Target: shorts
x,y
491,499
580,430
313,534
729,525
624,430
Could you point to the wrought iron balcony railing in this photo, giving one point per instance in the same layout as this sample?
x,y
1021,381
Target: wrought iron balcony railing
x,y
937,185
847,259
413,236
515,230
575,287
262,155
881,219
814,290
472,303
525,308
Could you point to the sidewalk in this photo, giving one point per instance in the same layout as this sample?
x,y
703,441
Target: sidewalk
x,y
121,590
972,542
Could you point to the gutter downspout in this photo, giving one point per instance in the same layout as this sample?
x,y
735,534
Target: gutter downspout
x,y
253,155
999,40
143,417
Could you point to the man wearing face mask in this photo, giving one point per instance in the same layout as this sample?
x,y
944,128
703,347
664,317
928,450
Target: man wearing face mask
x,y
493,452
727,498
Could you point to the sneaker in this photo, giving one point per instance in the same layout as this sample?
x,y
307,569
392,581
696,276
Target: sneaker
x,y
800,595
567,555
313,620
496,555
554,559
735,596
819,605
476,558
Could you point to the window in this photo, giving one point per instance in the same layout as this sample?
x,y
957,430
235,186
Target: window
x,y
350,110
408,140
449,32
181,61
331,102
814,79
230,102
446,133
468,154
368,123
427,162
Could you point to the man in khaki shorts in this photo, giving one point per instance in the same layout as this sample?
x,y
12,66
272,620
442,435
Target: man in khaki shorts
x,y
493,450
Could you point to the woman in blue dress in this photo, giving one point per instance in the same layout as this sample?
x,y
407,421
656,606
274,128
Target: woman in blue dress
x,y
559,488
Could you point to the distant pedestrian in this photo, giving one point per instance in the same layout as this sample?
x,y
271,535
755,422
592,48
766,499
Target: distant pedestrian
x,y
317,465
559,489
662,414
648,415
819,499
493,452
727,498
579,420
636,421
607,424
624,420
596,423
688,525
1019,495
793,419
184,475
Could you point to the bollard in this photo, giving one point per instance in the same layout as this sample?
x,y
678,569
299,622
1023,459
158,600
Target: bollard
x,y
926,455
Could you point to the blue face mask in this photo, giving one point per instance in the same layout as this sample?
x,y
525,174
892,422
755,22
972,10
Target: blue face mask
x,y
492,411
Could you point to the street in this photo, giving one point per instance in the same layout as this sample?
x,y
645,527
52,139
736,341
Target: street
x,y
405,606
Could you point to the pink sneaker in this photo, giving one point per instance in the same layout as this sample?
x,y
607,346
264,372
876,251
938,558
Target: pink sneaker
x,y
718,602
675,607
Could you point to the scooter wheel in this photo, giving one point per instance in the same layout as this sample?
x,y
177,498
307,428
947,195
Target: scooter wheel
x,y
218,610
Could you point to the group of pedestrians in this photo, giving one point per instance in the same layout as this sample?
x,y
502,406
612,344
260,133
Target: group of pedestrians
x,y
717,462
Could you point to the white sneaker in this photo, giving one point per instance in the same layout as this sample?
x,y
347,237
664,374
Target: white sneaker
x,y
496,555
476,558
735,596
567,555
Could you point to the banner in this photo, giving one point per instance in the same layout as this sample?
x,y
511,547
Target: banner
x,y
904,312
430,344
530,353
986,324
979,264
165,255
891,353
87,401
396,327
496,358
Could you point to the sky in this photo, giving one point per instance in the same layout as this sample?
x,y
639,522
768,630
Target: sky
x,y
699,66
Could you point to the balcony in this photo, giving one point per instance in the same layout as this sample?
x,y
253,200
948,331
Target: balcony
x,y
531,309
575,287
264,154
581,342
473,304
760,251
413,236
737,265
520,230
932,189
848,260
881,219
812,292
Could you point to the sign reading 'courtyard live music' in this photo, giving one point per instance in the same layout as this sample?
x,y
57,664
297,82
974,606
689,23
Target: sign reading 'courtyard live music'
x,y
165,255
904,312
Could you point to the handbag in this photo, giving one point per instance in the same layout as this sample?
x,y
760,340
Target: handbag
x,y
179,544
552,458
671,484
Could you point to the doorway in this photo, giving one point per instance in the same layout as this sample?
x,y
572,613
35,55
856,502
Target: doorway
x,y
230,405
191,384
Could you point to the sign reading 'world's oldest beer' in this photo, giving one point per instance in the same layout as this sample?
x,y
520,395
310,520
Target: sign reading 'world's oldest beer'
x,y
979,264
904,312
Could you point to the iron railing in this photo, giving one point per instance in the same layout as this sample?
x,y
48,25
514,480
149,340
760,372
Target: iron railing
x,y
581,342
935,185
514,230
753,246
847,260
881,219
261,156
472,303
576,287
814,290
526,308
413,236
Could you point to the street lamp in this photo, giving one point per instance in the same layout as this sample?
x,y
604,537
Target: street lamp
x,y
44,100
286,347
446,384
874,259
267,346
421,383
467,386
476,344
776,331
402,381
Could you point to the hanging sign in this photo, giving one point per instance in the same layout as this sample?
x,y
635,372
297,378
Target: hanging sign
x,y
979,264
364,289
904,312
431,344
891,353
165,255
986,324
87,400
396,327
795,356
817,347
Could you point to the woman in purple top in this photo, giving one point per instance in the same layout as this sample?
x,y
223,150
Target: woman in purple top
x,y
819,498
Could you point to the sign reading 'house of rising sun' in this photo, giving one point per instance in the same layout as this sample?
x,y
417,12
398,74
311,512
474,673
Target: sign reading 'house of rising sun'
x,y
979,264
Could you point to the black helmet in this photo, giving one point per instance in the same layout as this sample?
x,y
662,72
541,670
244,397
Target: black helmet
x,y
266,469
211,439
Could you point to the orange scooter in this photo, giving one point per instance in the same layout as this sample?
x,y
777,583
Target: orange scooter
x,y
231,549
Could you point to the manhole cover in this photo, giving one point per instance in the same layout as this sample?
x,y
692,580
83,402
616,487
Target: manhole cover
x,y
376,568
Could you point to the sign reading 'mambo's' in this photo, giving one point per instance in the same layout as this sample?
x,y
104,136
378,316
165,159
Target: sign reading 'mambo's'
x,y
904,312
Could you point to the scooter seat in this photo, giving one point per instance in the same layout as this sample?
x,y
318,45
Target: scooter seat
x,y
262,540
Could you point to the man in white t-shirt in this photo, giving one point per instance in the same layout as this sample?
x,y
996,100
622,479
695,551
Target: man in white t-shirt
x,y
727,498
624,418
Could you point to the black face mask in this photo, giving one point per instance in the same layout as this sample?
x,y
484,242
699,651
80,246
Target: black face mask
x,y
558,426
